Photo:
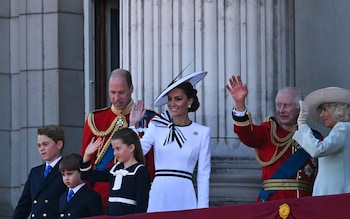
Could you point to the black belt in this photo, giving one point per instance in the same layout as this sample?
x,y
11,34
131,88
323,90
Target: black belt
x,y
176,173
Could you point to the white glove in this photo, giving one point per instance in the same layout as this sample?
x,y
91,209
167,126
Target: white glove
x,y
303,113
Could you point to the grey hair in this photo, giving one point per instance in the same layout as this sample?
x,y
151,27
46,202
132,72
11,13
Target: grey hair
x,y
339,111
298,95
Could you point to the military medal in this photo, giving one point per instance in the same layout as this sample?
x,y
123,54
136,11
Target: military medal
x,y
118,123
121,121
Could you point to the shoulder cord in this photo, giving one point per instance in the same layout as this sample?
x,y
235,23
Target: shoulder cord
x,y
281,142
115,126
95,131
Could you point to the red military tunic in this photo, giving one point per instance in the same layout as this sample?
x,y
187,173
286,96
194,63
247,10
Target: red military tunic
x,y
274,145
103,123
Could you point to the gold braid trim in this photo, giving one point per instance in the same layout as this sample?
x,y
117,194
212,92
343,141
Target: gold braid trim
x,y
95,131
241,124
248,122
118,123
285,142
101,151
287,184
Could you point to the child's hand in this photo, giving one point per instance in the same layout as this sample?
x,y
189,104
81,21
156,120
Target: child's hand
x,y
92,148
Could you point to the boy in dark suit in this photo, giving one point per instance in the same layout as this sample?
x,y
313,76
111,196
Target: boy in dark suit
x,y
44,185
79,200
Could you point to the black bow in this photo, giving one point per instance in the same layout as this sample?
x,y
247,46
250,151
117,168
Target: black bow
x,y
165,120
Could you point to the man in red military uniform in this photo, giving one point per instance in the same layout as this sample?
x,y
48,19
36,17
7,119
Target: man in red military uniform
x,y
105,122
287,170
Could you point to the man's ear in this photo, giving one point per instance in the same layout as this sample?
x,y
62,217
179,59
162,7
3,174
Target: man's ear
x,y
59,144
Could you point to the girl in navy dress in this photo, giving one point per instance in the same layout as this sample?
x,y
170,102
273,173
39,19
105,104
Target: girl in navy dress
x,y
129,179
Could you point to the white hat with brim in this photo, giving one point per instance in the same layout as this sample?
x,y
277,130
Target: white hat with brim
x,y
193,78
325,95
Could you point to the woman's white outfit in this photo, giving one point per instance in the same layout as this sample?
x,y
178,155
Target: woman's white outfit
x,y
333,155
175,161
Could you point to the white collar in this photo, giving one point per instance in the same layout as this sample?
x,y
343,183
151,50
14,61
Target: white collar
x,y
52,164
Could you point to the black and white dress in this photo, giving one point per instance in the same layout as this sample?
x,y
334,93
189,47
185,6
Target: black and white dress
x,y
129,188
175,161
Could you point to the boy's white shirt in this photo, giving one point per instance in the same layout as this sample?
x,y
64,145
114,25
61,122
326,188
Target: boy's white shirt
x,y
76,189
52,164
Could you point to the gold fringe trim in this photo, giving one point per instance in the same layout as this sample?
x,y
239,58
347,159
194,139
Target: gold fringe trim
x,y
245,123
118,123
284,143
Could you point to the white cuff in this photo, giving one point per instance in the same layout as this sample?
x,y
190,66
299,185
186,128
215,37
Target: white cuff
x,y
239,113
134,129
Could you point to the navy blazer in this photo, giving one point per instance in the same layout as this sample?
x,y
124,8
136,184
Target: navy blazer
x,y
84,203
40,196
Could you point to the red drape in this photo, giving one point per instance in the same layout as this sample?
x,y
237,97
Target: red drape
x,y
332,206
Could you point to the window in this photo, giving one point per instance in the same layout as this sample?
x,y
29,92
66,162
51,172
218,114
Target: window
x,y
107,54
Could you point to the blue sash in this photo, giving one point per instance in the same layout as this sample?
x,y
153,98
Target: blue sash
x,y
288,168
108,157
286,171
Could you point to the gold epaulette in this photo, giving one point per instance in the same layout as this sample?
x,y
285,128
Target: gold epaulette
x,y
94,129
100,109
268,119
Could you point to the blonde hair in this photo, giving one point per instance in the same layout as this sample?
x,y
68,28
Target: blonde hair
x,y
339,111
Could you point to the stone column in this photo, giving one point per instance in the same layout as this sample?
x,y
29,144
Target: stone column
x,y
253,38
42,83
6,26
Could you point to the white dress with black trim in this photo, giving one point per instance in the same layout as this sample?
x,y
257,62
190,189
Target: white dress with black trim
x,y
172,187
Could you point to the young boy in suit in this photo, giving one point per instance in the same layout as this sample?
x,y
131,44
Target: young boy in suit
x,y
44,185
79,200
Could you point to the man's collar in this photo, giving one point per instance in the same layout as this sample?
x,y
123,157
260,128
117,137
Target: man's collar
x,y
125,111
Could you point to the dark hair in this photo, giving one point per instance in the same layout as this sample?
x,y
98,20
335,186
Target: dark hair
x,y
54,132
190,93
124,73
71,162
128,137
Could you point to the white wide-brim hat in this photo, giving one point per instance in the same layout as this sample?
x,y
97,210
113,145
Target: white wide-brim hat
x,y
325,95
193,78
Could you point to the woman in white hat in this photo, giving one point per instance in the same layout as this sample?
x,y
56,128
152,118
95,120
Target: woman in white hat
x,y
179,145
331,106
